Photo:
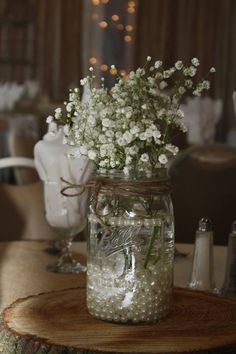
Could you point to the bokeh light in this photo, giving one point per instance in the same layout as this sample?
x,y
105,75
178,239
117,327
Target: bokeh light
x,y
127,39
103,24
115,17
93,60
104,67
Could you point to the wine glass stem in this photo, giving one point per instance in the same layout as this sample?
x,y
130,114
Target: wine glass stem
x,y
65,251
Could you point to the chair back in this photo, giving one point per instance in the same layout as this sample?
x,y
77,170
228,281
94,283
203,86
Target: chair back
x,y
22,207
23,135
204,184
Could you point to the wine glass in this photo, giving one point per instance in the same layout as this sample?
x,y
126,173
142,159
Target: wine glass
x,y
64,216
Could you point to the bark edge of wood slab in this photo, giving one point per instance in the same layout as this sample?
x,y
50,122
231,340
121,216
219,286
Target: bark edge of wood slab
x,y
58,322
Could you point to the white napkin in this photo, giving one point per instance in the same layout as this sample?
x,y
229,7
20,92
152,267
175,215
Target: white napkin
x,y
52,163
201,116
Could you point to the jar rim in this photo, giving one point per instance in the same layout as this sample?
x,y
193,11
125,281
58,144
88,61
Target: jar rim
x,y
158,173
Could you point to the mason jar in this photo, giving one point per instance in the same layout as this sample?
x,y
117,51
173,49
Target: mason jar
x,y
130,248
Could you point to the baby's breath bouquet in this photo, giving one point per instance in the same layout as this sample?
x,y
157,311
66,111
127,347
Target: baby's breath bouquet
x,y
126,133
128,128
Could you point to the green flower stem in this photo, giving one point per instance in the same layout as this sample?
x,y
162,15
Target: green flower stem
x,y
128,258
157,258
150,244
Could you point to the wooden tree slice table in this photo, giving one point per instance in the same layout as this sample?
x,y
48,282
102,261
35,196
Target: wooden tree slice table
x,y
58,322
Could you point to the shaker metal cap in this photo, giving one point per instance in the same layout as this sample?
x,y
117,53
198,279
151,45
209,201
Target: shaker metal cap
x,y
205,224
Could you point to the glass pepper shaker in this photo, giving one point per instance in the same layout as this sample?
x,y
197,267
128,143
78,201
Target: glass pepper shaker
x,y
229,285
202,276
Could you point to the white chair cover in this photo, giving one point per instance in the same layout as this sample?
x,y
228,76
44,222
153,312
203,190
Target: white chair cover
x,y
234,101
201,116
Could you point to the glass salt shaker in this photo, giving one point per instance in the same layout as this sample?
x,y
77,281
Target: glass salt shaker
x,y
202,276
229,285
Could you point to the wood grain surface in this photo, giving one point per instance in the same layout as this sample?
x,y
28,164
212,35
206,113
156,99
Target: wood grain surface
x,y
59,320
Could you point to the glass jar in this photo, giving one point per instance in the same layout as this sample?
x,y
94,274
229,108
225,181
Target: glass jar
x,y
130,248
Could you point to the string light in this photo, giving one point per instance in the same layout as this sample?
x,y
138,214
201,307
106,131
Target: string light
x,y
93,60
95,2
131,7
103,24
131,4
129,28
115,17
113,71
131,10
104,67
127,38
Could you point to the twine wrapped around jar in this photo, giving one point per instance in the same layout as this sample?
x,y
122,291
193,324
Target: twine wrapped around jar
x,y
116,187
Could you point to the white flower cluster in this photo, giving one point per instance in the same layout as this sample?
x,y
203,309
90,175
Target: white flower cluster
x,y
129,127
